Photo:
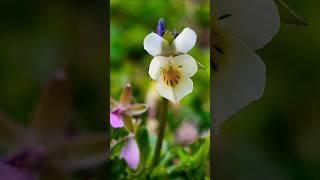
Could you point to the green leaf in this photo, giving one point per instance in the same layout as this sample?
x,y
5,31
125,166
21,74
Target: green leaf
x,y
116,149
203,154
127,119
200,66
288,16
118,133
142,139
195,163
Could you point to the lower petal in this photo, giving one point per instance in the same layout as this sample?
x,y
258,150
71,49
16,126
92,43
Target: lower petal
x,y
177,92
131,153
238,80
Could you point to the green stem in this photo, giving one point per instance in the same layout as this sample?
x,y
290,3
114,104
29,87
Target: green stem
x,y
161,130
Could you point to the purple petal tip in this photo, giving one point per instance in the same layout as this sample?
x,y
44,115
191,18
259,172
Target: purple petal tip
x,y
116,121
131,154
160,27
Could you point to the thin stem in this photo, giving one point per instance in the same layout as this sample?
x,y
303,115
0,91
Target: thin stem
x,y
161,130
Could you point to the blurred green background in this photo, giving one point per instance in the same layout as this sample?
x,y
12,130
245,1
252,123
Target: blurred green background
x,y
278,137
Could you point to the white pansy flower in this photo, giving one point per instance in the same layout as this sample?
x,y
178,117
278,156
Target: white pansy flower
x,y
239,28
171,66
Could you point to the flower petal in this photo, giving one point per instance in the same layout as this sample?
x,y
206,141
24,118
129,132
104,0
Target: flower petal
x,y
155,66
116,121
137,109
238,80
126,96
186,63
153,44
255,25
175,94
161,27
185,40
131,153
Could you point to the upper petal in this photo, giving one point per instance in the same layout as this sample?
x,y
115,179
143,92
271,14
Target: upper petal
x,y
185,40
186,63
116,121
131,153
155,66
253,21
238,80
153,44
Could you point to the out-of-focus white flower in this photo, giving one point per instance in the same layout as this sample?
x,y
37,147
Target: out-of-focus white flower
x,y
171,66
239,28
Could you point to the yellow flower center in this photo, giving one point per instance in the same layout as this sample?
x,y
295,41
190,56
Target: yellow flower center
x,y
171,75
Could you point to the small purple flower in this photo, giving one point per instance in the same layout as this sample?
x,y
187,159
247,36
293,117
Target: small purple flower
x,y
161,27
125,109
131,153
116,119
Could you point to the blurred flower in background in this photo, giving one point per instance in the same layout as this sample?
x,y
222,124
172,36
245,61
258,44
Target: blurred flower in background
x,y
186,133
277,138
47,150
69,127
238,73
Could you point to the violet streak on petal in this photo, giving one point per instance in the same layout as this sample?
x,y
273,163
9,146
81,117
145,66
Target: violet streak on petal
x,y
175,33
160,27
131,154
115,120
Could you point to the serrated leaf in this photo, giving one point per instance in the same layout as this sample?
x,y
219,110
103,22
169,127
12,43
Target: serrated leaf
x,y
288,16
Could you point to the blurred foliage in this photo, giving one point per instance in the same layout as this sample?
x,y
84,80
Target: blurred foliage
x,y
39,37
278,136
131,21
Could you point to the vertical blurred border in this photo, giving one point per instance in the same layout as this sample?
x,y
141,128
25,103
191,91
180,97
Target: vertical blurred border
x,y
37,39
